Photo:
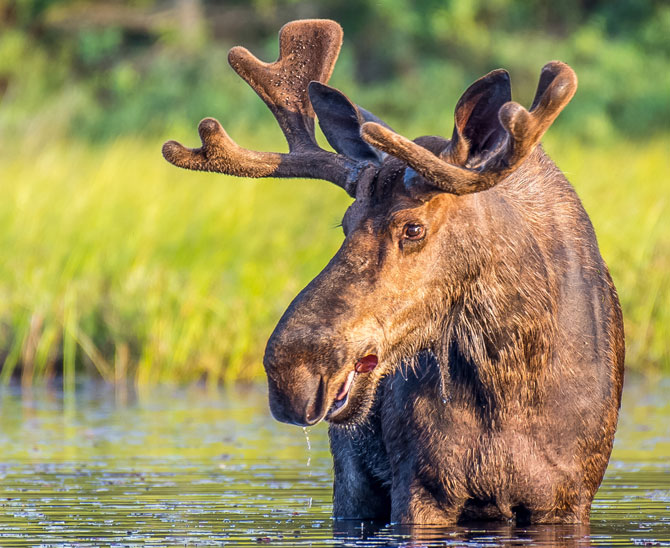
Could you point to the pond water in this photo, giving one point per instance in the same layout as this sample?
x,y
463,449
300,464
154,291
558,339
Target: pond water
x,y
185,467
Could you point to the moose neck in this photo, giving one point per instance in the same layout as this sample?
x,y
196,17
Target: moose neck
x,y
498,334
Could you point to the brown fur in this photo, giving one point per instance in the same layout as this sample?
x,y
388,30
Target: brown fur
x,y
525,336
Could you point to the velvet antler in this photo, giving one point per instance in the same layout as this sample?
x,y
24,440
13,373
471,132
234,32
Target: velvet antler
x,y
308,50
523,130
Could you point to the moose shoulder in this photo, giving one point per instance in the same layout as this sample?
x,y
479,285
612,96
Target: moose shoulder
x,y
466,342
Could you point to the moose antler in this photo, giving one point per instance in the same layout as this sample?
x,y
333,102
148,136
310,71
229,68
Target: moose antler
x,y
524,130
308,50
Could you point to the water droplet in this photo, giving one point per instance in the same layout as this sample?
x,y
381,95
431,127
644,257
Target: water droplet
x,y
309,451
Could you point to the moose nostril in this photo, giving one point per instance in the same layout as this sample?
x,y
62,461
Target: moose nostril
x,y
314,411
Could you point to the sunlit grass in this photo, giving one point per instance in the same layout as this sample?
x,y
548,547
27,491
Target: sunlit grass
x,y
118,263
625,188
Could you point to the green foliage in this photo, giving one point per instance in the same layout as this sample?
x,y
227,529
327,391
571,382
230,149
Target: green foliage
x,y
137,67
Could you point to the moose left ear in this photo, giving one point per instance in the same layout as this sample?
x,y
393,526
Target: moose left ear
x,y
477,129
341,120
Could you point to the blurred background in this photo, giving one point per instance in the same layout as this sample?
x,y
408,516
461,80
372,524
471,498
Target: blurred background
x,y
117,265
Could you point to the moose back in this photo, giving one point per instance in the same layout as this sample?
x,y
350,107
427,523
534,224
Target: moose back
x,y
465,343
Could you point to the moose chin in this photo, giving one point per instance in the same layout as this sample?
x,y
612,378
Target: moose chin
x,y
465,343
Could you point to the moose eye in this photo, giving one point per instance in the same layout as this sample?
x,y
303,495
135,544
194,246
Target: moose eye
x,y
413,231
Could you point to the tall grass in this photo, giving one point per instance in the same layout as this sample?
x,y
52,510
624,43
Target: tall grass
x,y
116,260
625,188
117,263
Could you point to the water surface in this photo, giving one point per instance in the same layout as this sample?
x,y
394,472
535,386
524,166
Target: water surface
x,y
185,467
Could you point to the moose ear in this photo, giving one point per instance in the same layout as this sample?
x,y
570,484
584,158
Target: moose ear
x,y
477,128
341,120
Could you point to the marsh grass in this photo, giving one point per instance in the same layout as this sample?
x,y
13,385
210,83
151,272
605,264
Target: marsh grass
x,y
625,188
118,264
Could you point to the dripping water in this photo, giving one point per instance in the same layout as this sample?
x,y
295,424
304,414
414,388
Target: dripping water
x,y
309,460
309,452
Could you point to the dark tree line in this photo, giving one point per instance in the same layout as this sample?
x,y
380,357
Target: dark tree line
x,y
122,53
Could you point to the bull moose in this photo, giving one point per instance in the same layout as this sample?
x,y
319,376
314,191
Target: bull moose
x,y
466,342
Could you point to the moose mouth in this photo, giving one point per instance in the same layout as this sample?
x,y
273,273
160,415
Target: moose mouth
x,y
363,365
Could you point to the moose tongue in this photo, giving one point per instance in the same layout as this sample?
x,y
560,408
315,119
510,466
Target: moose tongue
x,y
366,364
345,387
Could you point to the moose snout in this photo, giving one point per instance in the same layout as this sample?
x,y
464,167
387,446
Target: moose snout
x,y
297,385
307,352
300,402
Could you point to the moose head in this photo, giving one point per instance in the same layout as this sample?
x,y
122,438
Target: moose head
x,y
421,235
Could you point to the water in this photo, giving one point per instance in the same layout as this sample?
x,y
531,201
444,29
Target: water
x,y
187,467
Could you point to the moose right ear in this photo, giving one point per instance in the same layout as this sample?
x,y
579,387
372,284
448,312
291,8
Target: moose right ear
x,y
341,120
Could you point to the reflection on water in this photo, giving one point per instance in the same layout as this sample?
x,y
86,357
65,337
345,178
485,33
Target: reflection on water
x,y
184,467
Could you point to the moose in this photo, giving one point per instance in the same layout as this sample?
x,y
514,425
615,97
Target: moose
x,y
465,344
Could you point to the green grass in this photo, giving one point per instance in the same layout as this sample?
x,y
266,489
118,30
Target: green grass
x,y
625,188
116,263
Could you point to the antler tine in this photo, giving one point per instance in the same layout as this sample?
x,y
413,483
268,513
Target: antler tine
x,y
221,154
557,86
308,51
